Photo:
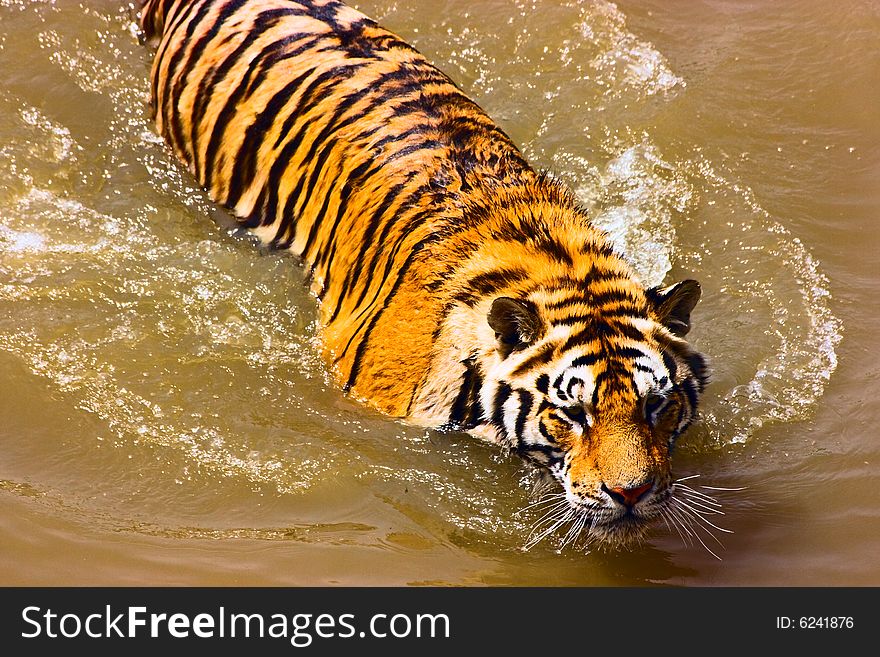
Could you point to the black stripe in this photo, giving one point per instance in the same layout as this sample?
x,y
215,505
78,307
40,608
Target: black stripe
x,y
678,423
615,378
587,359
600,329
325,13
644,368
388,41
325,259
690,392
542,384
319,218
362,267
374,86
525,408
283,159
502,394
366,170
531,449
319,90
629,331
404,80
565,302
616,295
582,295
437,102
697,364
364,342
393,137
549,245
263,22
365,242
482,128
245,159
572,382
305,192
615,313
174,91
557,386
364,315
467,408
600,249
595,330
170,28
581,361
489,282
427,144
543,431
273,55
631,353
669,362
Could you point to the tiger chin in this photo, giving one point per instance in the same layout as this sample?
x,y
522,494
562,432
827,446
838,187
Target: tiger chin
x,y
457,287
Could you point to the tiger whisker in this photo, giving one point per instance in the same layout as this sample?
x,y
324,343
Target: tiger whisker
x,y
550,516
573,531
694,513
697,521
555,497
552,511
696,493
702,505
671,524
680,527
686,518
706,504
590,535
562,520
677,483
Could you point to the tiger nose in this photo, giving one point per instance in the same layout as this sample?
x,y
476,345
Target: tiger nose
x,y
628,496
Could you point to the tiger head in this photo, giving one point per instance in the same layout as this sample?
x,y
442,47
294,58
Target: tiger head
x,y
596,386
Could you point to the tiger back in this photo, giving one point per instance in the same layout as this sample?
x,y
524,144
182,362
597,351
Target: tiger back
x,y
458,287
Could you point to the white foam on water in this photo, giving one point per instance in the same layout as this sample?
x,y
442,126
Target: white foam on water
x,y
18,241
787,384
43,235
635,198
133,418
626,65
59,144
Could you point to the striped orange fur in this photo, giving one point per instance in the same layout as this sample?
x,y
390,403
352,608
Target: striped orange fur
x,y
458,287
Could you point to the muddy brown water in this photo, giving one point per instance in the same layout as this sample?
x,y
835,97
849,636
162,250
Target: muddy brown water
x,y
165,418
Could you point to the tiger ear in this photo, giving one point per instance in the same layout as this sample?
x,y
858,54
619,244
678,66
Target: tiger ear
x,y
516,324
672,305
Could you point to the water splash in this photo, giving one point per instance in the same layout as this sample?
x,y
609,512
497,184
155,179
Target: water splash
x,y
788,382
636,199
625,65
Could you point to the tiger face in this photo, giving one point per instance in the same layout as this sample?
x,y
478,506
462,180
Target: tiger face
x,y
598,399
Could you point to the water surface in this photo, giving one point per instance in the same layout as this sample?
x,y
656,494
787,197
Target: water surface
x,y
166,418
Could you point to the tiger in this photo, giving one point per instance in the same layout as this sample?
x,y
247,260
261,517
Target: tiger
x,y
458,288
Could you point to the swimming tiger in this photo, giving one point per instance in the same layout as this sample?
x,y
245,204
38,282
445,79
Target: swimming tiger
x,y
458,288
